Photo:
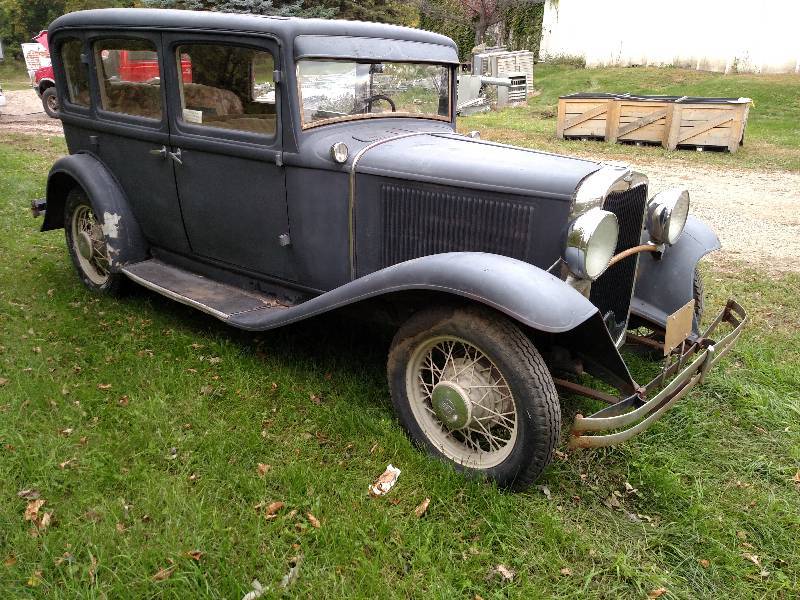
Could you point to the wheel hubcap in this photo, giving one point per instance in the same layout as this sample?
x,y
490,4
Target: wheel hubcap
x,y
451,405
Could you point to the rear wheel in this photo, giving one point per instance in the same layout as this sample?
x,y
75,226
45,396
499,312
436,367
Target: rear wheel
x,y
50,102
87,246
472,389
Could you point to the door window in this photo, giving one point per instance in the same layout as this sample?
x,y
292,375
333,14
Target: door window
x,y
129,77
76,72
227,87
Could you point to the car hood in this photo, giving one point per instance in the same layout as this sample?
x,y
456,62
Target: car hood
x,y
456,160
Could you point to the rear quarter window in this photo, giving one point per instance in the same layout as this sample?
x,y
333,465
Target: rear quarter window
x,y
75,71
129,77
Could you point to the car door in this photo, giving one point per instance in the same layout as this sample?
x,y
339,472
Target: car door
x,y
130,131
225,133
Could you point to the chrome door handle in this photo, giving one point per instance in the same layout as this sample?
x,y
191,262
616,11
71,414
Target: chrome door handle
x,y
176,156
162,152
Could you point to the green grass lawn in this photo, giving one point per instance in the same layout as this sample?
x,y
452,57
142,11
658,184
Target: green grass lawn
x,y
142,423
13,75
772,138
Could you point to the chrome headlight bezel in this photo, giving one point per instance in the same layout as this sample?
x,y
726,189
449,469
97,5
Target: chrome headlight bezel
x,y
590,242
667,213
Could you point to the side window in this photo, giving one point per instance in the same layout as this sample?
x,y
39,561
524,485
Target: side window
x,y
129,77
77,73
227,87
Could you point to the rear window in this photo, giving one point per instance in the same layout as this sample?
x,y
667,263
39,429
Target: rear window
x,y
129,77
76,72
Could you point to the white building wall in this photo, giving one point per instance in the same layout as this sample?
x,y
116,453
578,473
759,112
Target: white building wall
x,y
713,35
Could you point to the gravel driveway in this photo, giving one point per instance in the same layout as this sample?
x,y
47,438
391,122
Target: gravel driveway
x,y
755,213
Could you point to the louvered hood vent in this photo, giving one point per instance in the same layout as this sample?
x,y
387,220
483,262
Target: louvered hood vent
x,y
418,222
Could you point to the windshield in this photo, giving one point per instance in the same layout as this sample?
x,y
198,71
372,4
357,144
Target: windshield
x,y
336,90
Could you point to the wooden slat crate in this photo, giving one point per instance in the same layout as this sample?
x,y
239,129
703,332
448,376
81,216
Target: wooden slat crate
x,y
708,124
671,121
583,117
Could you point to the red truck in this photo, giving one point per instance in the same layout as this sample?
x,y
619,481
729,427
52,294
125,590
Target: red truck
x,y
133,66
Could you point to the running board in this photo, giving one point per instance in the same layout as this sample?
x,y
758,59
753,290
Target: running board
x,y
220,300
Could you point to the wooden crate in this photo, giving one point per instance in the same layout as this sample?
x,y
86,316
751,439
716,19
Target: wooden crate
x,y
670,121
708,124
583,116
638,120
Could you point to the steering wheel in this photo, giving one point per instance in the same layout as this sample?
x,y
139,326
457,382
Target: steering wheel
x,y
372,99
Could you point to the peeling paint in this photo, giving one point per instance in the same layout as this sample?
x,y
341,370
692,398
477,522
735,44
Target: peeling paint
x,y
111,252
111,225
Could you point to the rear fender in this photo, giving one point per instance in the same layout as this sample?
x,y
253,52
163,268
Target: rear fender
x,y
124,238
665,283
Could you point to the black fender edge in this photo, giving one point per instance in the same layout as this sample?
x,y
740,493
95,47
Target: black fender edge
x,y
665,284
125,241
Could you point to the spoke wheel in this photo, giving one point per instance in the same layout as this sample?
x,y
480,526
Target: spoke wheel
x,y
470,387
89,244
462,402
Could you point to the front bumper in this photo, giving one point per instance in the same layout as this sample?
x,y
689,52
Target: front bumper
x,y
636,413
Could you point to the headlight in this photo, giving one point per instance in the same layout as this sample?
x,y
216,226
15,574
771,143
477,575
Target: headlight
x,y
667,212
591,242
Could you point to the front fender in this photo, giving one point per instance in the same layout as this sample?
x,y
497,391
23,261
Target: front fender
x,y
124,238
522,291
665,284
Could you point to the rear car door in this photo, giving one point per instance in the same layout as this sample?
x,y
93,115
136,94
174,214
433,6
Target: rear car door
x,y
130,131
225,130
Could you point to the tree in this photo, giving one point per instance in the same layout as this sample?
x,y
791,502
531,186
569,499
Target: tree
x,y
294,8
481,14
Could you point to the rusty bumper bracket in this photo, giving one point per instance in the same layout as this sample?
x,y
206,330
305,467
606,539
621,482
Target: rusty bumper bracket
x,y
636,413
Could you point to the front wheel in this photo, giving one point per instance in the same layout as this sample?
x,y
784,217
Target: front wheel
x,y
471,388
50,102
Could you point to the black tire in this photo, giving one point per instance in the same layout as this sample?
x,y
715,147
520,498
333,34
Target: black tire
x,y
535,400
114,283
699,295
50,102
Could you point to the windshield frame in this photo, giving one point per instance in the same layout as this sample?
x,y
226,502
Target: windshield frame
x,y
304,126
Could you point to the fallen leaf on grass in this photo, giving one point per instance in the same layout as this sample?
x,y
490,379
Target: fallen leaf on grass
x,y
262,469
10,560
753,558
93,570
164,573
294,571
215,360
504,572
103,386
3,381
32,509
796,478
28,494
705,563
206,390
313,520
546,491
316,399
34,580
66,431
385,482
124,401
195,554
657,593
256,592
272,509
422,508
66,463
120,528
566,571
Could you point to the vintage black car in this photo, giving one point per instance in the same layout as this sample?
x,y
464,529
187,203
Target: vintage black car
x,y
280,168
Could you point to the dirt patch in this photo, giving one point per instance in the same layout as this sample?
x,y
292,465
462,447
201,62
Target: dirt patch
x,y
23,113
756,214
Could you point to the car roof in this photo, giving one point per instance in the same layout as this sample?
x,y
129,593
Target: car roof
x,y
286,28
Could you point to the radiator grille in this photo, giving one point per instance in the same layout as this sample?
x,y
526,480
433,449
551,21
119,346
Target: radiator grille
x,y
420,222
613,290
